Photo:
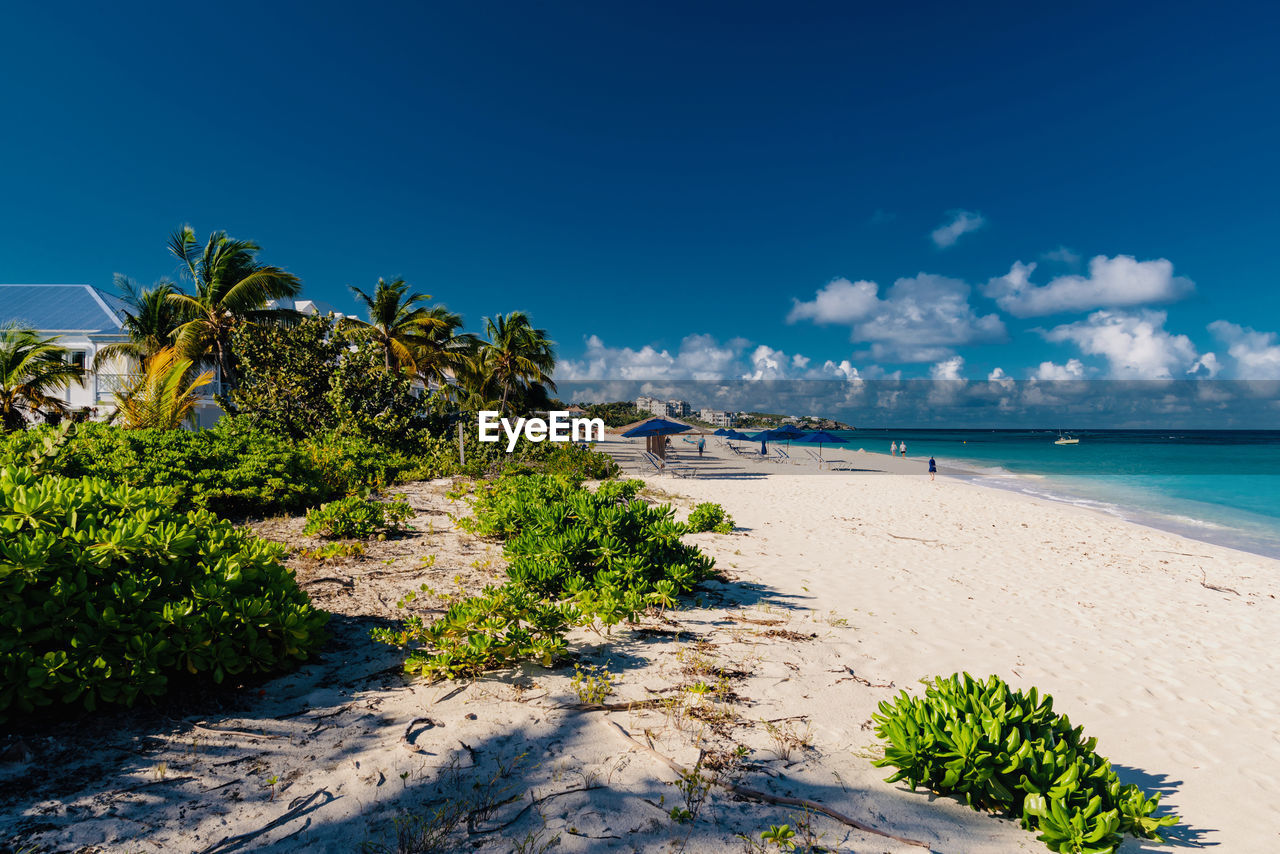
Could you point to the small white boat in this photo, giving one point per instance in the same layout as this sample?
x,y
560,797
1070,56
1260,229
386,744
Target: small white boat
x,y
1066,440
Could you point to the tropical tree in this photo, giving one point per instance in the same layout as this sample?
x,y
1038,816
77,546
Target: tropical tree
x,y
411,335
514,359
446,351
31,370
161,397
230,286
150,320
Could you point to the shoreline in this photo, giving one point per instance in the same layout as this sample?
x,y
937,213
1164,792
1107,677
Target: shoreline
x,y
1053,488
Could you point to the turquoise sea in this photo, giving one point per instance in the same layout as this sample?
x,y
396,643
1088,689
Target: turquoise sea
x,y
1221,486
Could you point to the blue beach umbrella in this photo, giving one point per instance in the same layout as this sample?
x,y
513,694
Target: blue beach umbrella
x,y
822,437
720,432
785,433
656,427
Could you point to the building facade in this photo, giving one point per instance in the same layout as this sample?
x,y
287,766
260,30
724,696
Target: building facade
x,y
718,418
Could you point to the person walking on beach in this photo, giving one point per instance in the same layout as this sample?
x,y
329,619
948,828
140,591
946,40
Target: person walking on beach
x,y
933,468
903,448
893,449
702,443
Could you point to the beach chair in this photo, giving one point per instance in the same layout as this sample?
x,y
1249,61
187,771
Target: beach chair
x,y
780,456
669,466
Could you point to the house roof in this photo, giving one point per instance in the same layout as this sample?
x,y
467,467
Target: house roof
x,y
60,308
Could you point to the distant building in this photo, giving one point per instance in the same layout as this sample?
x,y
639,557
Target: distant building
x,y
655,406
651,405
718,418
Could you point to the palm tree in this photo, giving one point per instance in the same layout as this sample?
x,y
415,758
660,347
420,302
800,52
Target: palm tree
x,y
230,285
31,369
445,351
150,319
406,330
158,397
515,357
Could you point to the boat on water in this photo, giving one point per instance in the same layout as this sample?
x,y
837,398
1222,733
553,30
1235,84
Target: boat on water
x,y
1066,440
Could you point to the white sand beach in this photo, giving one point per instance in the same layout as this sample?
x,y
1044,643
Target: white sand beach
x,y
839,589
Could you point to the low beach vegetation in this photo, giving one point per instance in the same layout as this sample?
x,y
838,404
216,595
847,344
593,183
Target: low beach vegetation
x,y
356,518
1007,751
709,516
110,594
575,558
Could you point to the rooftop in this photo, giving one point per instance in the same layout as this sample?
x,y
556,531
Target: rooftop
x,y
60,308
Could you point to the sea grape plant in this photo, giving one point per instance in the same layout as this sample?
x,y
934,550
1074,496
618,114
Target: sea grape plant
x,y
709,516
108,595
356,518
575,557
1007,751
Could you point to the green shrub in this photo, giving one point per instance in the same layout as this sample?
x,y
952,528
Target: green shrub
x,y
355,518
574,558
344,464
708,516
1004,750
566,459
108,594
233,469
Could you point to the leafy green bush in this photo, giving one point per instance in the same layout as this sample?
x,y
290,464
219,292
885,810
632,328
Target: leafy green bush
x,y
108,594
1001,749
234,469
355,518
575,558
709,516
580,463
347,464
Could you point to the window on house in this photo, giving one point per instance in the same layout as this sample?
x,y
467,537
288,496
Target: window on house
x,y
78,358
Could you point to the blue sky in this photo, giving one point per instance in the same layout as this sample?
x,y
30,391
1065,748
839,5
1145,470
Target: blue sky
x,y
668,188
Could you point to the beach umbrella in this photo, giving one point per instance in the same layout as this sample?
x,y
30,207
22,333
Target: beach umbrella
x,y
656,427
720,432
785,433
822,437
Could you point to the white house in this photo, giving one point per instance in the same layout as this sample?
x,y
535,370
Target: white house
x,y
84,320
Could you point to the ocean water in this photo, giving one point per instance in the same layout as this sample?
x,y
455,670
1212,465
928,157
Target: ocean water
x,y
1221,486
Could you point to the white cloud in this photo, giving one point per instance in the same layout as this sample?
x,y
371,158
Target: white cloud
x,y
704,358
1062,255
1050,371
947,370
700,357
1256,354
1119,282
920,319
1135,345
1206,367
962,222
1000,381
841,301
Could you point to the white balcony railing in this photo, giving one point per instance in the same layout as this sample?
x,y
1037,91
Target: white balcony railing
x,y
109,385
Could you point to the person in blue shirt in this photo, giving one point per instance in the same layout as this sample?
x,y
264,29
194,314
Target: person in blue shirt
x,y
933,468
702,443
